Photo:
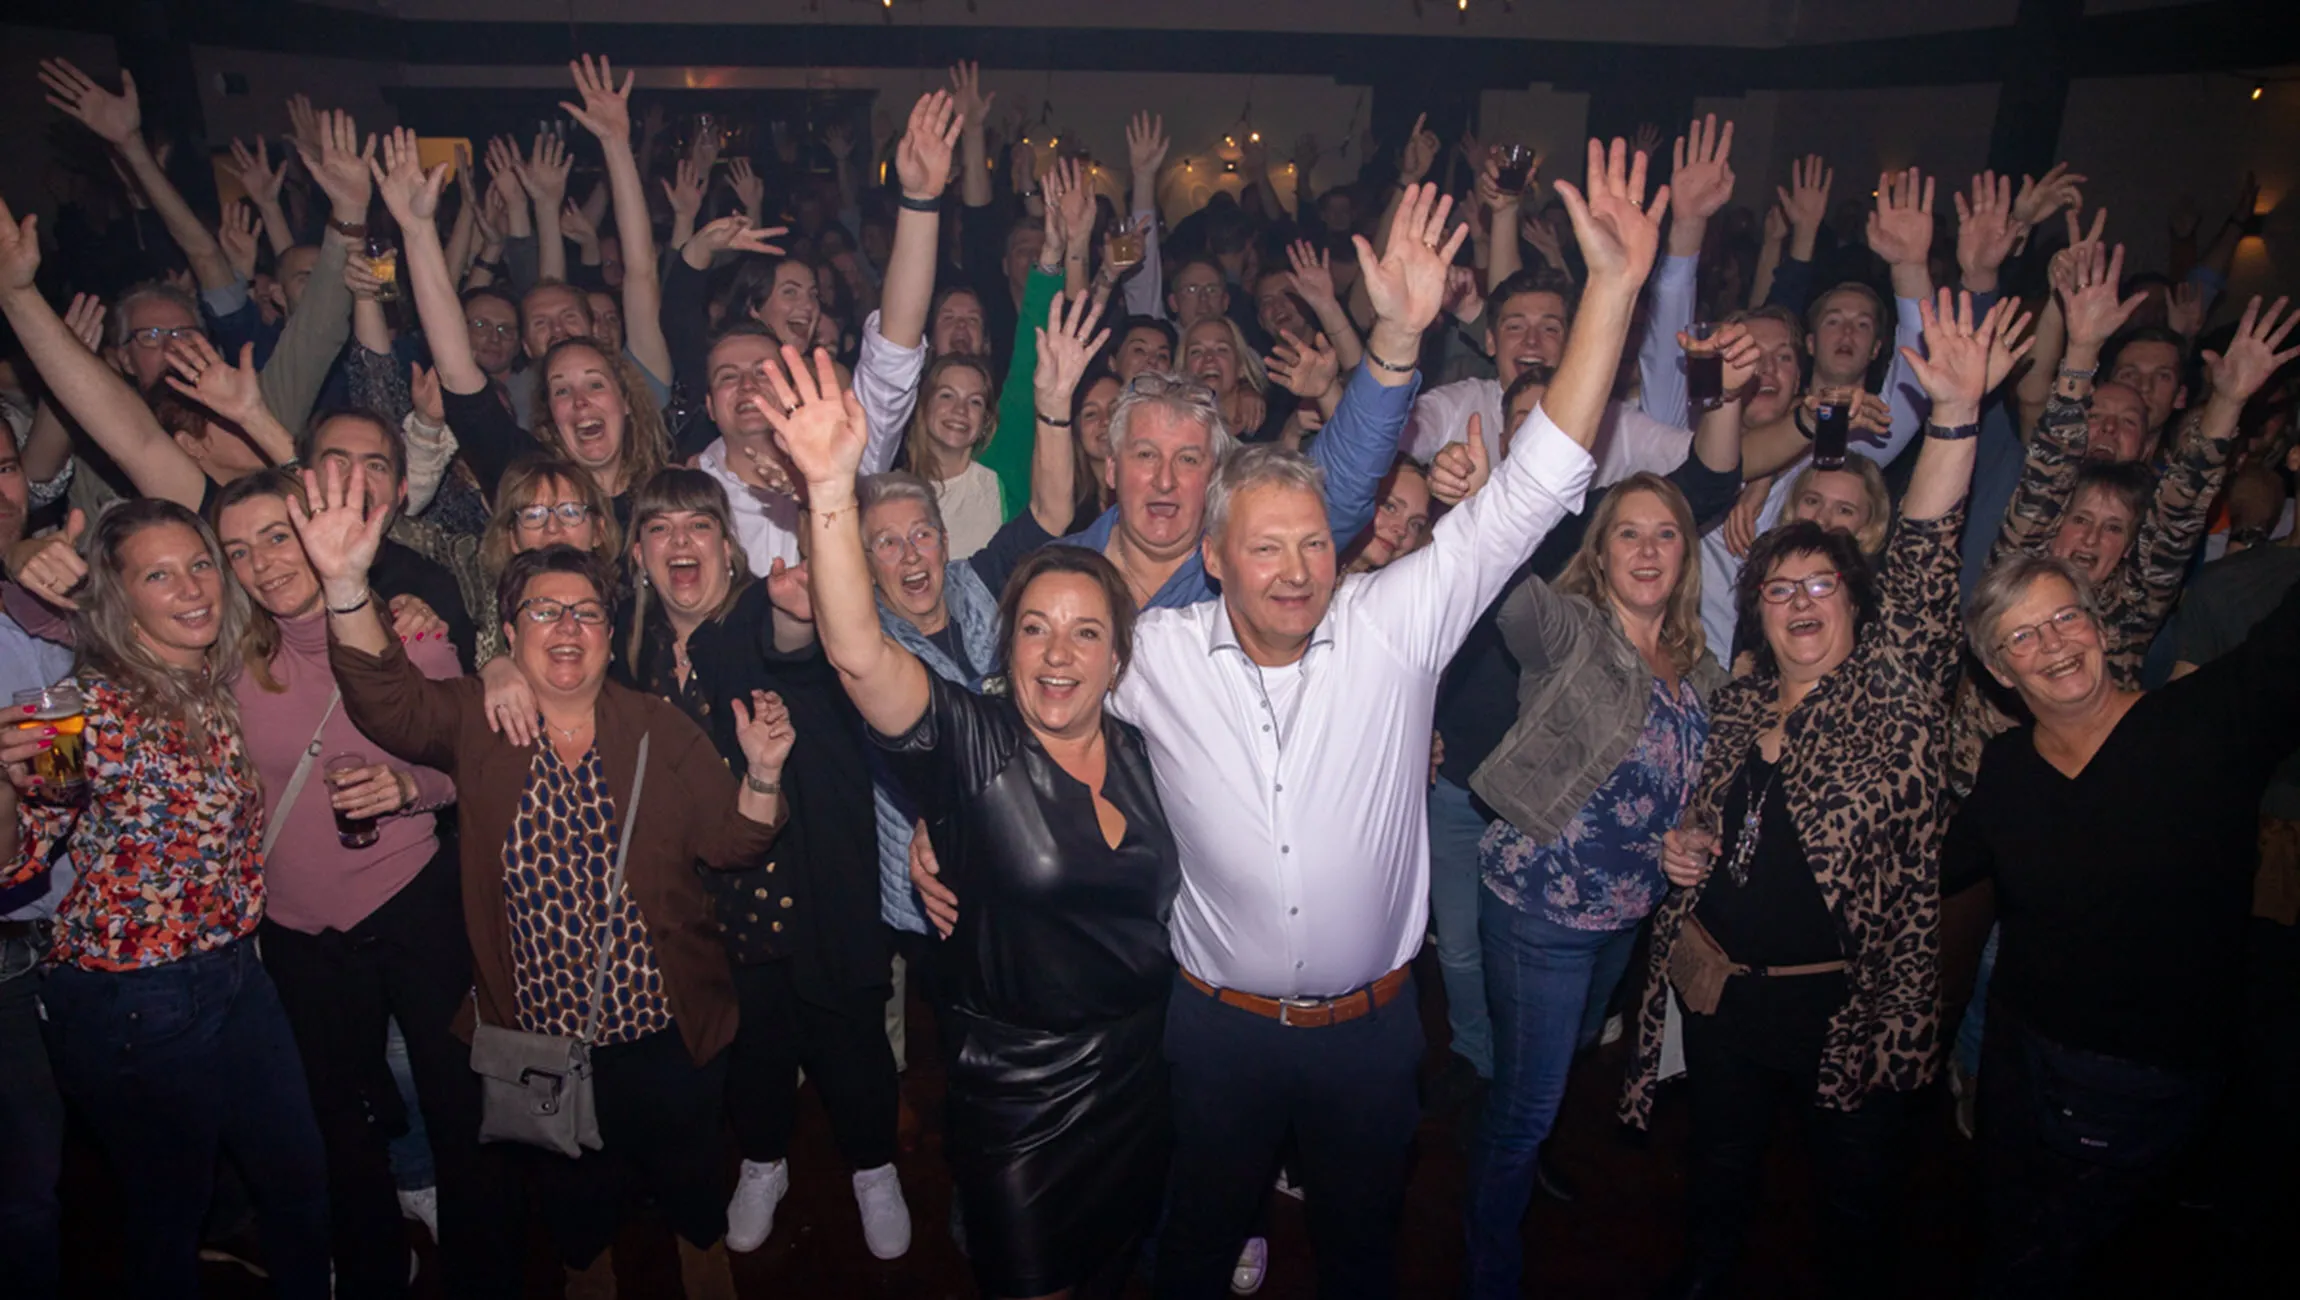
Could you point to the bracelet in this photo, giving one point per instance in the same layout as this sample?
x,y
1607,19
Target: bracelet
x,y
2080,376
1952,432
1050,422
762,787
348,229
1380,364
834,512
366,597
930,206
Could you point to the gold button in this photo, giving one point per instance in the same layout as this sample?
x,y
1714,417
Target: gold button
x,y
760,892
778,927
750,916
785,904
770,866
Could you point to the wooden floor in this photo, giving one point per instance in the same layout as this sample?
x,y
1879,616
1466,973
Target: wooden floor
x,y
1619,1239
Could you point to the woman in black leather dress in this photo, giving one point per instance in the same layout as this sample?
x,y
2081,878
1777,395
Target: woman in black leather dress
x,y
1044,815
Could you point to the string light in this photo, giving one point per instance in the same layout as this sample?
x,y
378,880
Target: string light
x,y
2259,88
1254,136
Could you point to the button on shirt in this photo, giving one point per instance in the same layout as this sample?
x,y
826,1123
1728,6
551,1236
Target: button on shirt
x,y
1297,793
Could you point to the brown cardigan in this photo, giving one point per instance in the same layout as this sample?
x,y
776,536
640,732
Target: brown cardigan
x,y
687,815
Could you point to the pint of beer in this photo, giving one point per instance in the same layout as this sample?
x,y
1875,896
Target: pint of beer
x,y
62,767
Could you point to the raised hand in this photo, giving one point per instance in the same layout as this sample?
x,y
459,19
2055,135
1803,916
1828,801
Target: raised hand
x,y
2039,199
113,118
424,395
1313,274
257,176
1956,362
1146,143
1421,149
787,590
1901,227
342,164
1806,201
1543,237
340,534
575,225
606,108
503,166
685,191
1739,352
410,193
966,92
1647,139
750,188
1776,224
1701,169
85,318
203,375
303,124
1618,232
237,237
819,425
1460,468
544,173
1406,284
1986,230
2252,355
1071,202
764,731
1066,345
839,139
922,158
1307,370
19,250
2184,309
736,233
2089,301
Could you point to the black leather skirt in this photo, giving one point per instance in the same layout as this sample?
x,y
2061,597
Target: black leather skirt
x,y
1058,1143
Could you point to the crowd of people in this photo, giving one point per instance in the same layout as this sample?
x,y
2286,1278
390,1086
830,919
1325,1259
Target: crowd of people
x,y
1131,637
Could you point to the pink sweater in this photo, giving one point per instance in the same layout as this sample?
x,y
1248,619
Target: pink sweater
x,y
311,882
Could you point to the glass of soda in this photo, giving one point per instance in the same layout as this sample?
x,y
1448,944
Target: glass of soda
x,y
1704,367
1516,168
62,767
1832,427
341,770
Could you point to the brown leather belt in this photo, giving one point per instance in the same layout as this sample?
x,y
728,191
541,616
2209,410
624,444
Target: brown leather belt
x,y
1309,1013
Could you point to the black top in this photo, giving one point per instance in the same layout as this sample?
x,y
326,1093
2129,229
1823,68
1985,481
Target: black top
x,y
2122,893
815,899
399,571
1056,929
1477,698
487,433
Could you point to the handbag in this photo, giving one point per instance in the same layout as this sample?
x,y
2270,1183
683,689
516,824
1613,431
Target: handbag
x,y
1699,967
536,1089
2111,1112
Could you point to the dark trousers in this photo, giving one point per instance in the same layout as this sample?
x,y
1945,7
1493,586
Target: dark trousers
x,y
842,1048
408,960
172,1064
31,1127
658,1138
1858,1161
1240,1082
2050,1210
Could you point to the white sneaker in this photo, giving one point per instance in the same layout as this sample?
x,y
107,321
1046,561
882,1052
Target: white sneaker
x,y
422,1205
751,1214
1253,1265
885,1215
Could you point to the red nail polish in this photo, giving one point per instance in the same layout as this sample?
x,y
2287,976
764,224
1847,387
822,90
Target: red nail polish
x,y
47,731
31,708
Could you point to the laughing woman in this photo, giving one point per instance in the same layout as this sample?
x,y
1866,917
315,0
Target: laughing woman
x,y
955,420
167,1034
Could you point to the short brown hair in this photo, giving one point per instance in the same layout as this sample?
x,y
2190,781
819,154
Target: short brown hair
x,y
1070,559
558,557
521,480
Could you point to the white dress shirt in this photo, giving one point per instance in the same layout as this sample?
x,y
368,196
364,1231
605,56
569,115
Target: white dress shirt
x,y
1297,794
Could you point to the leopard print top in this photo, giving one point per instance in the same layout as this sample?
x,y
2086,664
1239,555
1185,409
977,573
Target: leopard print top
x,y
1862,767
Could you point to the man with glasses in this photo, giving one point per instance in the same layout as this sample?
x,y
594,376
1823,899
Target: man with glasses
x,y
493,319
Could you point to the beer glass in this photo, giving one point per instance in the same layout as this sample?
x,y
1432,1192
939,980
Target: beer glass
x,y
1832,426
62,767
341,770
1704,368
1515,170
383,264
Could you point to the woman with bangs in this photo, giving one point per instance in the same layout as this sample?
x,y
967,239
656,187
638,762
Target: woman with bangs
x,y
956,416
1585,795
1215,353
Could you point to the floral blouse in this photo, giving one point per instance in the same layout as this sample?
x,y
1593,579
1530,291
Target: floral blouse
x,y
558,858
1604,871
169,846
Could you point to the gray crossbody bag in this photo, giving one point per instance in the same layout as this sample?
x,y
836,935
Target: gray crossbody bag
x,y
536,1088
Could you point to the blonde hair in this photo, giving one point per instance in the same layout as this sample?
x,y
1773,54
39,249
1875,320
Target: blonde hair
x,y
919,450
1249,362
105,625
1681,636
646,442
1880,522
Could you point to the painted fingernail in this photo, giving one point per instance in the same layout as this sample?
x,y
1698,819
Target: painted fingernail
x,y
31,708
47,731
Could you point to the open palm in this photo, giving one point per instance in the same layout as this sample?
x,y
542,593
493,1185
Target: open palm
x,y
1618,232
820,426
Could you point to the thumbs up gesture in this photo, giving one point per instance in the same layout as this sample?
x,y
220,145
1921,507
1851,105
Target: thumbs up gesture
x,y
1461,468
49,566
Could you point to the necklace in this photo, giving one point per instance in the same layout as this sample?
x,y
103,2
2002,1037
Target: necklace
x,y
568,732
1752,823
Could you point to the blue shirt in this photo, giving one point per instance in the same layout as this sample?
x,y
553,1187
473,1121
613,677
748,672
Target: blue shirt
x,y
27,662
1604,871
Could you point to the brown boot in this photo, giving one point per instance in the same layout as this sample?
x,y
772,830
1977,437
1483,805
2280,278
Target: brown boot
x,y
594,1282
705,1274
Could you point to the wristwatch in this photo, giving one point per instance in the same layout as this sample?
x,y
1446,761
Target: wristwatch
x,y
1952,432
762,787
348,229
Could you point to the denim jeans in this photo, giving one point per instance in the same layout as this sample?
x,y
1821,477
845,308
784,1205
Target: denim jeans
x,y
412,1169
1970,1029
173,1064
1543,982
31,1128
1456,826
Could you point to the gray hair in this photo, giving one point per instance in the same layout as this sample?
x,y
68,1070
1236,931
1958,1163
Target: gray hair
x,y
899,485
1184,399
117,328
2003,586
1256,466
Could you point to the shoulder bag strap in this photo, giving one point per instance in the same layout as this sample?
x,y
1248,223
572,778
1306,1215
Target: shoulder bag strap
x,y
302,774
614,888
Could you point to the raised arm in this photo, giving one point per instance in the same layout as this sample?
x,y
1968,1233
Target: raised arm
x,y
1066,343
606,113
823,431
118,120
1146,146
90,391
262,182
412,196
1963,360
974,151
233,392
1700,185
544,176
1314,280
922,166
314,336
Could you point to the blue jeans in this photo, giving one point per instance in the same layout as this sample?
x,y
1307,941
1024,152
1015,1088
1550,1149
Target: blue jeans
x,y
1455,886
411,1167
1547,986
172,1065
31,1128
1976,1019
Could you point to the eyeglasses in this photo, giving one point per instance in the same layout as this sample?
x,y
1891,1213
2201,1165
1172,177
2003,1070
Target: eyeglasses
x,y
485,327
156,336
1199,290
2028,638
889,547
1818,586
571,514
586,613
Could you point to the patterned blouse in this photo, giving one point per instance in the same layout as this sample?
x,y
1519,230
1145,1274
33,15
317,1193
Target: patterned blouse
x,y
169,846
1604,871
557,860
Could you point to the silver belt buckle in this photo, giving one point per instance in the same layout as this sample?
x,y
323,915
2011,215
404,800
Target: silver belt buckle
x,y
1287,1004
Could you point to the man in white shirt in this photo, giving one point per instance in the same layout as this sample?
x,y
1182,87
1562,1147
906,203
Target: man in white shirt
x,y
1289,727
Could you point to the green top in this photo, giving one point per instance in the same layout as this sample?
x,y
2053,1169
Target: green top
x,y
1009,453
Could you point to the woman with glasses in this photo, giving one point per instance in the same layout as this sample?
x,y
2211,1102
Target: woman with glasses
x,y
1801,938
541,829
2120,830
